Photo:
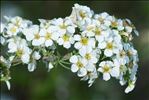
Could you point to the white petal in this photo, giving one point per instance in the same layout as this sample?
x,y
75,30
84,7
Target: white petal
x,y
100,69
36,55
25,58
78,45
77,37
12,47
50,66
129,88
74,68
102,63
73,59
82,52
60,41
106,76
71,29
82,72
35,42
29,35
90,67
115,72
8,85
102,45
108,53
48,43
67,45
55,36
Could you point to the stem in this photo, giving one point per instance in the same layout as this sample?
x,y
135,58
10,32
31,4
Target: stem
x,y
65,62
64,66
15,64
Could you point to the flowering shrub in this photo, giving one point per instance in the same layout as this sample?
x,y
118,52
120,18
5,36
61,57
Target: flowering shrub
x,y
97,45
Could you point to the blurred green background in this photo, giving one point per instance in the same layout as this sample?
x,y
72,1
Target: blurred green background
x,y
61,84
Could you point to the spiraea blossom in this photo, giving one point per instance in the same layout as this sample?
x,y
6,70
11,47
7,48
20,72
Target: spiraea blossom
x,y
93,46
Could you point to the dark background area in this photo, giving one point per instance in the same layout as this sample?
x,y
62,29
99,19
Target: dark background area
x,y
61,84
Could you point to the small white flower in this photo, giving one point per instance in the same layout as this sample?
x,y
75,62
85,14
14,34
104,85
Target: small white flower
x,y
103,19
107,68
78,65
84,42
12,30
34,34
66,40
64,26
111,45
49,35
89,54
91,76
81,15
19,46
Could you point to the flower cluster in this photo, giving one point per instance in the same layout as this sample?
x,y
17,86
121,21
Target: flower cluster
x,y
97,45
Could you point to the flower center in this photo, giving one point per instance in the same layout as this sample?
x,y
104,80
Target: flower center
x,y
109,45
114,24
79,64
122,53
66,37
106,69
48,36
19,52
13,29
97,31
82,14
84,41
101,20
36,36
90,27
63,26
88,56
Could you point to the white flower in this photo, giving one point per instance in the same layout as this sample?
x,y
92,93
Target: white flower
x,y
103,19
84,42
34,34
107,68
12,30
49,35
111,45
64,25
81,15
91,76
19,46
19,22
90,55
66,40
78,65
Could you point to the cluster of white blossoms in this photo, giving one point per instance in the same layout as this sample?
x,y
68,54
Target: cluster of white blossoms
x,y
93,45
